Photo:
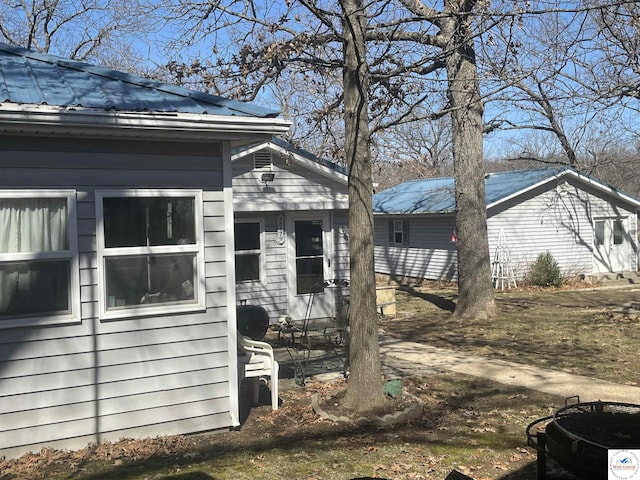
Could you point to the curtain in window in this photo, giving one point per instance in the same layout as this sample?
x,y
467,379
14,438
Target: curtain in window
x,y
33,226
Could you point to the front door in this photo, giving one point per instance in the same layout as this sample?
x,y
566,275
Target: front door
x,y
309,265
611,245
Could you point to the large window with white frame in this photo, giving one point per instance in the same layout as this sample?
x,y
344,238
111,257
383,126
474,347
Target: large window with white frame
x,y
150,248
249,250
38,257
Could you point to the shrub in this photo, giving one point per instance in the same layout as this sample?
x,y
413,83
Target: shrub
x,y
545,272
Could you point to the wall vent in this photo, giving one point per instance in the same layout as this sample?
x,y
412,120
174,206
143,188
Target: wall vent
x,y
262,160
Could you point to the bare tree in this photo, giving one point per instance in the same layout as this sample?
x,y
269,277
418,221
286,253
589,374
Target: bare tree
x,y
90,30
363,349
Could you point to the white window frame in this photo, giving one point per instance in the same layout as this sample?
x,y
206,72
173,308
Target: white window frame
x,y
400,226
73,316
158,309
262,263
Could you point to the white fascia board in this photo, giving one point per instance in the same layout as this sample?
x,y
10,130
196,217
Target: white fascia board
x,y
605,188
596,184
310,164
305,162
42,119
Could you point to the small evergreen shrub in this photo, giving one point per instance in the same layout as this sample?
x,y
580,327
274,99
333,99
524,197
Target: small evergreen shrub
x,y
545,272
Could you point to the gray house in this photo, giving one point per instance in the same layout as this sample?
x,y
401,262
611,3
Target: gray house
x,y
291,223
117,291
588,226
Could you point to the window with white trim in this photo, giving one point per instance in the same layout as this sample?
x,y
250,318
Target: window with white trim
x,y
38,257
249,250
150,248
399,232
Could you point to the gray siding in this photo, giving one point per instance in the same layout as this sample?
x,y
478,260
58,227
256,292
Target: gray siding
x,y
67,385
556,220
272,294
430,254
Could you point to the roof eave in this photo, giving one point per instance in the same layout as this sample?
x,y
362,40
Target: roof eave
x,y
310,164
47,120
594,183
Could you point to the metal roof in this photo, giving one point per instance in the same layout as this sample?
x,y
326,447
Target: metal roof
x,y
436,195
32,78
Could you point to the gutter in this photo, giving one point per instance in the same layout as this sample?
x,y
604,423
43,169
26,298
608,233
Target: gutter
x,y
48,120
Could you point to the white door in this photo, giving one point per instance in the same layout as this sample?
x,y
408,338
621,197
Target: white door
x,y
309,265
611,245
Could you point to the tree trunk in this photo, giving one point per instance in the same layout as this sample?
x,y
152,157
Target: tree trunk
x,y
365,381
475,289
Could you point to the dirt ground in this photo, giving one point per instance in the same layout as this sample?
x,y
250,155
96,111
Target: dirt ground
x,y
468,424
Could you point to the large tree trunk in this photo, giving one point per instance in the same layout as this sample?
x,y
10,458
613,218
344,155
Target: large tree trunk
x,y
475,289
365,388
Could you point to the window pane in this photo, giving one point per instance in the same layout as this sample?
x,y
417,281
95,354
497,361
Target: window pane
x,y
247,267
144,279
310,277
148,221
308,238
617,232
33,225
34,287
247,236
599,232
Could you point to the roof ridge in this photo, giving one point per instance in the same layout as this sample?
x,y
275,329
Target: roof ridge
x,y
140,81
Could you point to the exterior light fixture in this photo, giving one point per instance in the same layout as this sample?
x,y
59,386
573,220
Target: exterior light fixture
x,y
268,177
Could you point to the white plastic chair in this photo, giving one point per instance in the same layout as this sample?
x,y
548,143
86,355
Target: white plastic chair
x,y
258,361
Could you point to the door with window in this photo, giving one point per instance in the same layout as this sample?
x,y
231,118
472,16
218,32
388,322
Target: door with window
x,y
309,265
611,245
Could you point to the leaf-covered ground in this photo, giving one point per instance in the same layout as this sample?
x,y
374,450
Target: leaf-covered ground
x,y
468,424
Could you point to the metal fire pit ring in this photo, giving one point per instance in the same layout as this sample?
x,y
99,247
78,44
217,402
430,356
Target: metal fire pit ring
x,y
579,435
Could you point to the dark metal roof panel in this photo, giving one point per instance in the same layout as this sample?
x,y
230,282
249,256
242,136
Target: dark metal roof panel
x,y
33,78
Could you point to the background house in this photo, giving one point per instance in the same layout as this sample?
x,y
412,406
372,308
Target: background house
x,y
291,222
588,226
117,299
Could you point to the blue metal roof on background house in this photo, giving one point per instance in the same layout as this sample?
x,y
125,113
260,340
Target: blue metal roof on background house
x,y
437,195
27,77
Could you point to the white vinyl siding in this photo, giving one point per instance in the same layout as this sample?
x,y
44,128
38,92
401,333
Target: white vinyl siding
x,y
295,188
560,221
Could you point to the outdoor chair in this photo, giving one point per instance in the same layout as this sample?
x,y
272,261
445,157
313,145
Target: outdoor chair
x,y
255,360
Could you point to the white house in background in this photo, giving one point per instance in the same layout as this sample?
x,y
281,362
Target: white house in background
x,y
117,298
589,227
291,229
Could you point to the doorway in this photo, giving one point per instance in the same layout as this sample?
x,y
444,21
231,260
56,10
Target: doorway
x,y
611,245
309,265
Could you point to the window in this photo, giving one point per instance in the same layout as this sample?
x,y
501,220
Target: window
x,y
398,232
599,232
151,252
248,248
38,257
618,232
